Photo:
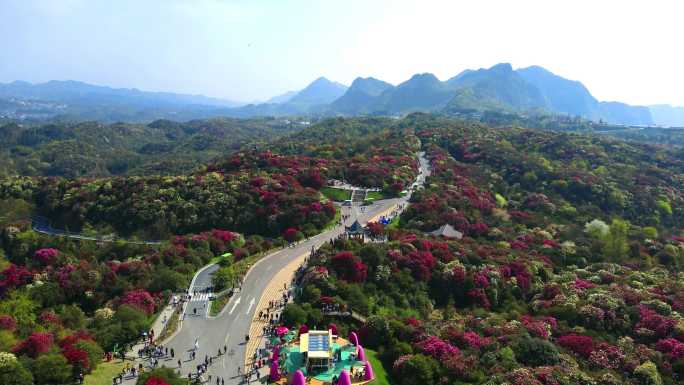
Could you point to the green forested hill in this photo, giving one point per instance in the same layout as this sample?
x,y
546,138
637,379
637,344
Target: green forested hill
x,y
96,149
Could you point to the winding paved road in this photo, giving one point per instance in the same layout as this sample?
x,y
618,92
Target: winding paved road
x,y
229,328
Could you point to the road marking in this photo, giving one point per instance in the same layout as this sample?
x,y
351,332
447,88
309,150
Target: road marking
x,y
200,297
237,301
251,303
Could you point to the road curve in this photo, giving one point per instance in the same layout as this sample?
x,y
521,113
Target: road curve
x,y
229,328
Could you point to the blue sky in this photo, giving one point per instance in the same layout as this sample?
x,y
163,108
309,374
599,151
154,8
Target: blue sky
x,y
248,50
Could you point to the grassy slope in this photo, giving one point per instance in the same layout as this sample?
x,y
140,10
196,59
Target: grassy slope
x,y
381,377
336,194
104,373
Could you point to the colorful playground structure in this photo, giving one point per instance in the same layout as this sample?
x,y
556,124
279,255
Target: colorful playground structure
x,y
318,357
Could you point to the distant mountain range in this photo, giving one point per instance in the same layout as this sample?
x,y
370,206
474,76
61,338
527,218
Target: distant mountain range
x,y
499,88
74,92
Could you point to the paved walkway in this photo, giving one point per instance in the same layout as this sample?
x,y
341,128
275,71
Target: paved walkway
x,y
274,292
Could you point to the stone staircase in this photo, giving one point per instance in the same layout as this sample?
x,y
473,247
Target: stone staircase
x,y
358,195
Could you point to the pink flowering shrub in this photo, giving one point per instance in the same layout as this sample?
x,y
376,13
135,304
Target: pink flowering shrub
x,y
606,356
49,317
538,328
223,235
656,324
672,347
479,297
437,348
473,340
139,299
13,277
580,285
46,257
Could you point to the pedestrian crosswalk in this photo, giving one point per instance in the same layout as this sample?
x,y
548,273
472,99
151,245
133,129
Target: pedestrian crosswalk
x,y
200,297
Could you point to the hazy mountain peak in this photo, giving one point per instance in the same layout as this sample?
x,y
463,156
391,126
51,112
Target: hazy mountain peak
x,y
369,85
320,91
502,67
461,74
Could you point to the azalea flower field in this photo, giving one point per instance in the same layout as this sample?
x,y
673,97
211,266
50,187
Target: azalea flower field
x,y
568,271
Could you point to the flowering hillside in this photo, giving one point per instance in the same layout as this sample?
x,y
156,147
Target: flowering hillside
x,y
568,271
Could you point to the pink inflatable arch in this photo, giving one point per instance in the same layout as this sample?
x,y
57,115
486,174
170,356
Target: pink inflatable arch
x,y
344,378
369,372
361,354
298,378
353,338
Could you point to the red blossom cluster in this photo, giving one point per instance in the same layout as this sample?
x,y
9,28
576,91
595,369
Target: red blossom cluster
x,y
290,234
223,235
13,277
578,344
76,356
349,267
421,263
34,345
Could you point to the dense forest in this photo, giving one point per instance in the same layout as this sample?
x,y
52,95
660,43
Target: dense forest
x,y
94,149
568,271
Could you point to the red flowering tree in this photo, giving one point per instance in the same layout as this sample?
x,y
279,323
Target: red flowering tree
x,y
349,267
139,299
376,229
76,357
421,263
312,178
81,351
35,344
290,234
